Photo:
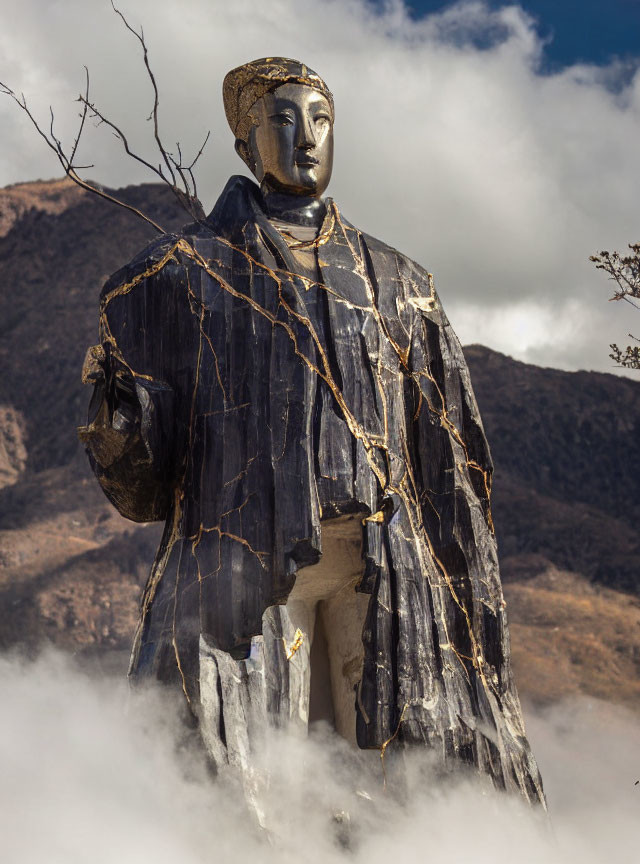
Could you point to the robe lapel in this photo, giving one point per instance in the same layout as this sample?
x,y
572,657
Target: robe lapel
x,y
353,334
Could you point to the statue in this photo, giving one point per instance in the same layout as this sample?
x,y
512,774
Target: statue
x,y
287,395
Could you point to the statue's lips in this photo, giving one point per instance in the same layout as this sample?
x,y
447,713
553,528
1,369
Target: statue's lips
x,y
307,162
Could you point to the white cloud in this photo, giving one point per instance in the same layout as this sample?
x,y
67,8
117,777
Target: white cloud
x,y
450,144
89,775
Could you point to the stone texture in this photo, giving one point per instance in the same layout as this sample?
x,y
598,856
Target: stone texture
x,y
246,406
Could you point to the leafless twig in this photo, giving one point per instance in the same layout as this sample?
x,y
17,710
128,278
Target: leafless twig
x,y
67,161
156,99
169,170
187,195
624,270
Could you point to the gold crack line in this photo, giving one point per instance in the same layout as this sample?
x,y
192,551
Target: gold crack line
x,y
290,650
386,743
451,427
191,253
201,578
203,311
217,530
353,425
355,428
125,288
243,472
238,508
107,336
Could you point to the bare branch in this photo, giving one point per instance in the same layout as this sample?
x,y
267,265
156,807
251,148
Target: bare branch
x,y
624,270
156,99
199,153
174,167
183,199
118,133
628,300
187,196
83,117
190,167
627,359
71,170
178,166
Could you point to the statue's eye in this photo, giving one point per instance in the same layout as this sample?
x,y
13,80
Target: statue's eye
x,y
322,117
282,119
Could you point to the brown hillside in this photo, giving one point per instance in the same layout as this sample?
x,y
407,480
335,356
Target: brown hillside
x,y
566,448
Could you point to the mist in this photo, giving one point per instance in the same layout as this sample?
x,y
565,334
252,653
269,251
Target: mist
x,y
93,772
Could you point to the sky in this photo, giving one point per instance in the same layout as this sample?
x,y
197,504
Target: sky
x,y
495,144
586,31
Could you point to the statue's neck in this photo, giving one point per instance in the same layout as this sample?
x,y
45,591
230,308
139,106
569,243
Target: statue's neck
x,y
297,209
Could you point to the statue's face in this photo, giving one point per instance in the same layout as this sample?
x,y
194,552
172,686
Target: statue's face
x,y
291,142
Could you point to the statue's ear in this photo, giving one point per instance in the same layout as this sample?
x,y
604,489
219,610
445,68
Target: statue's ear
x,y
243,151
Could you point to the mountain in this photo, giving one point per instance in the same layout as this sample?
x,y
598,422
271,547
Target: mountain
x,y
566,448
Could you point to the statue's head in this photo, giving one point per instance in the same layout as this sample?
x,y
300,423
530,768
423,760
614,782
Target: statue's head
x,y
281,113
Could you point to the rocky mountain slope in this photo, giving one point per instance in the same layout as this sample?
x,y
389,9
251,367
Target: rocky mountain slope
x,y
566,489
566,446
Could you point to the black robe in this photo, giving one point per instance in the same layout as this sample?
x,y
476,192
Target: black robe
x,y
254,419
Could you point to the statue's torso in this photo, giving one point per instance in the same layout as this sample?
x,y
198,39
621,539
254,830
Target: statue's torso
x,y
296,401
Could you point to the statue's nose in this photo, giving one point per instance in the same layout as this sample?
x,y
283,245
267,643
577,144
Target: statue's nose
x,y
306,138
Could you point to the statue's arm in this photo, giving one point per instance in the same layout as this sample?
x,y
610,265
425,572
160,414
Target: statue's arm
x,y
130,435
446,407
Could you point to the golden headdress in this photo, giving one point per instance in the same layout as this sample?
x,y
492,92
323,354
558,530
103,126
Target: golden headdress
x,y
243,86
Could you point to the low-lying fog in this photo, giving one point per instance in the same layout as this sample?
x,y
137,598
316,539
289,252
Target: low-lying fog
x,y
91,773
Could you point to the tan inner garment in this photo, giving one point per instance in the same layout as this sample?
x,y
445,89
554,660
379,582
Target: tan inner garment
x,y
330,614
301,242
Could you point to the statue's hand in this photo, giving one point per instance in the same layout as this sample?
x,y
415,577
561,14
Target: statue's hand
x,y
114,413
123,408
94,365
126,414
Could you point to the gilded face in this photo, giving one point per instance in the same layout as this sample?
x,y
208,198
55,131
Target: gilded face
x,y
291,142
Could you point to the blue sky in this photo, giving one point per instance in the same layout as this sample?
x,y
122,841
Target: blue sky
x,y
592,31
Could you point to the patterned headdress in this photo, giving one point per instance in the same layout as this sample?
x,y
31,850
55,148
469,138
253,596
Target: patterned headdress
x,y
242,87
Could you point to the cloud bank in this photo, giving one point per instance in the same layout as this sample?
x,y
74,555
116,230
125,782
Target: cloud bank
x,y
92,774
450,143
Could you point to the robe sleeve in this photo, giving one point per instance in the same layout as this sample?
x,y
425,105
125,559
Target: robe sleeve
x,y
453,452
131,436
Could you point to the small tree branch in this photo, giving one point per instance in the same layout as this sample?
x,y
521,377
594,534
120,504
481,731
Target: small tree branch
x,y
190,167
178,166
69,169
189,199
118,133
628,300
83,117
175,168
156,99
625,272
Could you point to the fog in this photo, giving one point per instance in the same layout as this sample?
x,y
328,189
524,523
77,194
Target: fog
x,y
92,773
452,144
